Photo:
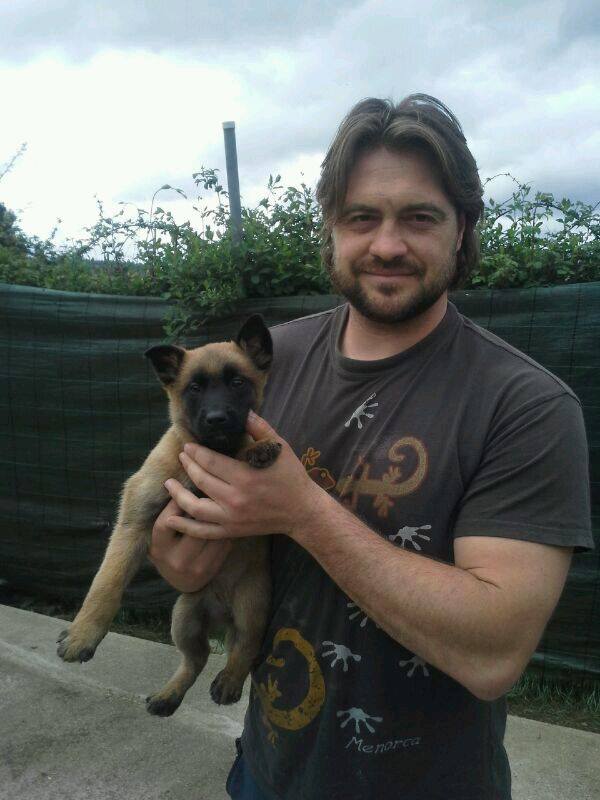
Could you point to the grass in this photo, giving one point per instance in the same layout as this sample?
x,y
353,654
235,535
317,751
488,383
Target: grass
x,y
571,704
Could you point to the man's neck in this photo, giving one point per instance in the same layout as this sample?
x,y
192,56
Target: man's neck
x,y
365,340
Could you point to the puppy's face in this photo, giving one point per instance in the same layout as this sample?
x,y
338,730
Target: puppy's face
x,y
212,388
216,396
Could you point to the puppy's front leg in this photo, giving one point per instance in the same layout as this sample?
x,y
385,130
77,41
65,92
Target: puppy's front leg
x,y
126,549
261,454
121,561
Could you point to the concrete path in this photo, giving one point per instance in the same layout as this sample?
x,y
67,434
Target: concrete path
x,y
81,732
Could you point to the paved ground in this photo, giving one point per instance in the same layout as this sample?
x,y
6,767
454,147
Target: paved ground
x,y
81,732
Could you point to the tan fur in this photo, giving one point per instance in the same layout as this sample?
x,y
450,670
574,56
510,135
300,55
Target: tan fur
x,y
237,598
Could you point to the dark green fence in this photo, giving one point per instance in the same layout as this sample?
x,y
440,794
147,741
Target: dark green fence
x,y
81,408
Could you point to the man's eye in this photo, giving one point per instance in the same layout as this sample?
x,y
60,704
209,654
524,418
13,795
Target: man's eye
x,y
423,218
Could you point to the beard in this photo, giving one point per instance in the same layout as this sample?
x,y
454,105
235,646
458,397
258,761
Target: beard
x,y
392,304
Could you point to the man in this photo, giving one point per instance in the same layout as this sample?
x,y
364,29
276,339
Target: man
x,y
431,488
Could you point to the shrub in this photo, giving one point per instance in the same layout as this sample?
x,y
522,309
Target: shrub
x,y
525,241
537,241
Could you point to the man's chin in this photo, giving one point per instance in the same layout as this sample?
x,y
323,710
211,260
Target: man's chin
x,y
390,298
390,302
388,305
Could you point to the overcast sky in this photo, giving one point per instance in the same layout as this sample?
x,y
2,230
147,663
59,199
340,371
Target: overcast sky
x,y
116,99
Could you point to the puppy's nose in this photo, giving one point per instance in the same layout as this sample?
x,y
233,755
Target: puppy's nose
x,y
216,419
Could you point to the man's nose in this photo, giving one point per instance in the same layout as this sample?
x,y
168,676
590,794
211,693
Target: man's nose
x,y
388,242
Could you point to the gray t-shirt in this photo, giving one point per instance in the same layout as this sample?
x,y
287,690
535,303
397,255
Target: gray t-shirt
x,y
460,435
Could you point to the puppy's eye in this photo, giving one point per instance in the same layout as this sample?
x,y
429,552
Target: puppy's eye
x,y
194,387
237,381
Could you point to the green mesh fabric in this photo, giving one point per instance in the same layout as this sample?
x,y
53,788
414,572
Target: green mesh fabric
x,y
81,408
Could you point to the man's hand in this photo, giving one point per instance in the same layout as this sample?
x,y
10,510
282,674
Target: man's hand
x,y
187,563
240,500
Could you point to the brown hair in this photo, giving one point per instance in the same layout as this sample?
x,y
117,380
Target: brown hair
x,y
421,123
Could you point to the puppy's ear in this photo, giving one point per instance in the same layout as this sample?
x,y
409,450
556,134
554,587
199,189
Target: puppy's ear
x,y
255,340
166,360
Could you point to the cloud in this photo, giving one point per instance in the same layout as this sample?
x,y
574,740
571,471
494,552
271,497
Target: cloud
x,y
580,19
79,29
521,76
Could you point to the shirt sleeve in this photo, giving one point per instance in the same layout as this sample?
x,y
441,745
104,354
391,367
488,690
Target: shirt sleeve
x,y
532,482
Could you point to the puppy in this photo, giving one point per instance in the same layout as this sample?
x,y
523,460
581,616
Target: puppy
x,y
210,390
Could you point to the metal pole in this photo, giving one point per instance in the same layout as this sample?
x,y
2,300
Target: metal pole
x,y
233,181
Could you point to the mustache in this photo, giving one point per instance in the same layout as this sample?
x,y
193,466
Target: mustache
x,y
403,264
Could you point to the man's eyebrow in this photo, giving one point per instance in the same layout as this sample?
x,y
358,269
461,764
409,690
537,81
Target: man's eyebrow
x,y
353,207
431,208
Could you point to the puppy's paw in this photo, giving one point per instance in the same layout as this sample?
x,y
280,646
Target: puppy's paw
x,y
262,454
77,644
225,689
161,706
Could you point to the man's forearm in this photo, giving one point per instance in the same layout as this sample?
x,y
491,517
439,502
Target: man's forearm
x,y
447,616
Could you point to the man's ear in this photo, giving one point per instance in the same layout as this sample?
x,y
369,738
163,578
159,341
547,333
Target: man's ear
x,y
166,360
255,340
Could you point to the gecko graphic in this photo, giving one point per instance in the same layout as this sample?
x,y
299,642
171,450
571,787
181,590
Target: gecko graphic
x,y
358,715
320,475
361,411
340,653
416,662
302,714
408,534
357,613
393,483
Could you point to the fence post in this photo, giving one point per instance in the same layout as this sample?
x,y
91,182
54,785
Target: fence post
x,y
233,181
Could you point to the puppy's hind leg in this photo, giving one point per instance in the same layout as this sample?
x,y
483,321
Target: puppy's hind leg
x,y
250,609
189,630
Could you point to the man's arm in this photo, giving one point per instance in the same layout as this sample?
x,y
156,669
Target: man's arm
x,y
478,620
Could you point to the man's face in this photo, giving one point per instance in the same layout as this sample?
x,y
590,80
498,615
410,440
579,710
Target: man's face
x,y
396,240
